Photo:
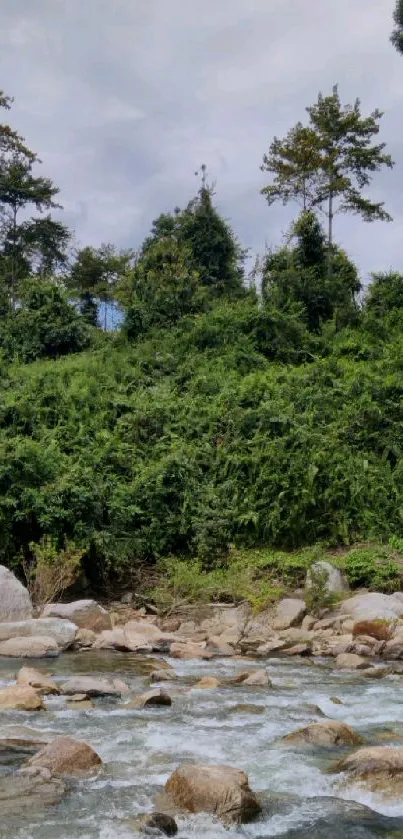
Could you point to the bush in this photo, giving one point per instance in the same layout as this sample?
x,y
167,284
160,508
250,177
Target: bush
x,y
49,571
45,325
317,596
378,568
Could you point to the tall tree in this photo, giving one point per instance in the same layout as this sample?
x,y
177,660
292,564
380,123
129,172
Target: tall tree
x,y
329,163
26,245
397,34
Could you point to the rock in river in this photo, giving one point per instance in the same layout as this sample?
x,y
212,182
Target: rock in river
x,y
219,789
326,733
66,756
15,698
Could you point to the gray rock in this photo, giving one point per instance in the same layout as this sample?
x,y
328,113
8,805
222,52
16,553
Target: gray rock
x,y
336,582
289,612
91,686
63,632
15,602
29,790
373,606
29,647
86,614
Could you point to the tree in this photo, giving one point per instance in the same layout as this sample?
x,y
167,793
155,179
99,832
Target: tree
x,y
95,275
397,34
164,287
384,294
33,245
213,249
298,276
329,163
45,324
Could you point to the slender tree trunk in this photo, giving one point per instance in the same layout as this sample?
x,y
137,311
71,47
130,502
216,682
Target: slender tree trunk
x,y
13,258
330,235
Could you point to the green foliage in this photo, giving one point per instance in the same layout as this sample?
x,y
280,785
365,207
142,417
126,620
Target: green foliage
x,y
317,595
201,436
50,569
212,251
384,295
397,34
45,324
376,567
97,274
329,162
298,276
163,288
32,245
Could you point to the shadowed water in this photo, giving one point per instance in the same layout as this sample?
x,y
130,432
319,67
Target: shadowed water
x,y
140,749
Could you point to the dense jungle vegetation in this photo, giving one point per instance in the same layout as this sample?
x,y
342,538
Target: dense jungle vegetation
x,y
229,414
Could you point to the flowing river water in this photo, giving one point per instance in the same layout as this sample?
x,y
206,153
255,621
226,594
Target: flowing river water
x,y
141,748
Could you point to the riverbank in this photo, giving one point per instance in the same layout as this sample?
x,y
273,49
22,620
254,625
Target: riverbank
x,y
108,715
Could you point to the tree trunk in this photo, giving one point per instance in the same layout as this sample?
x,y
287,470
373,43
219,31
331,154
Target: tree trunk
x,y
330,236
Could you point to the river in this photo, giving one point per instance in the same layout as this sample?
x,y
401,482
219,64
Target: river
x,y
141,748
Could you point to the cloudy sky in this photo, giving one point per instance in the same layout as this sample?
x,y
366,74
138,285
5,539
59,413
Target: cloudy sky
x,y
124,99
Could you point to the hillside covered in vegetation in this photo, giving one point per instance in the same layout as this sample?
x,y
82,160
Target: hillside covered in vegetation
x,y
229,410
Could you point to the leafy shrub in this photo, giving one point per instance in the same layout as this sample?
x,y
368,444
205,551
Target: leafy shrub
x,y
378,568
317,595
49,571
46,324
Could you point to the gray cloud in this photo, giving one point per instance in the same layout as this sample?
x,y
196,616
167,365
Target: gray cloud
x,y
125,99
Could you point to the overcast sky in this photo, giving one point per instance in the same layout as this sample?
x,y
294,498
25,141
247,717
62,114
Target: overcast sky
x,y
124,99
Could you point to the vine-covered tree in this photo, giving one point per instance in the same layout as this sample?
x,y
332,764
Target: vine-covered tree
x,y
213,248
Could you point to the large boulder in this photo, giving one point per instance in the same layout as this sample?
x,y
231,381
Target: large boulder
x,y
289,612
92,686
66,756
378,768
373,606
15,698
86,614
334,580
220,790
29,677
29,789
15,602
63,632
324,733
30,647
